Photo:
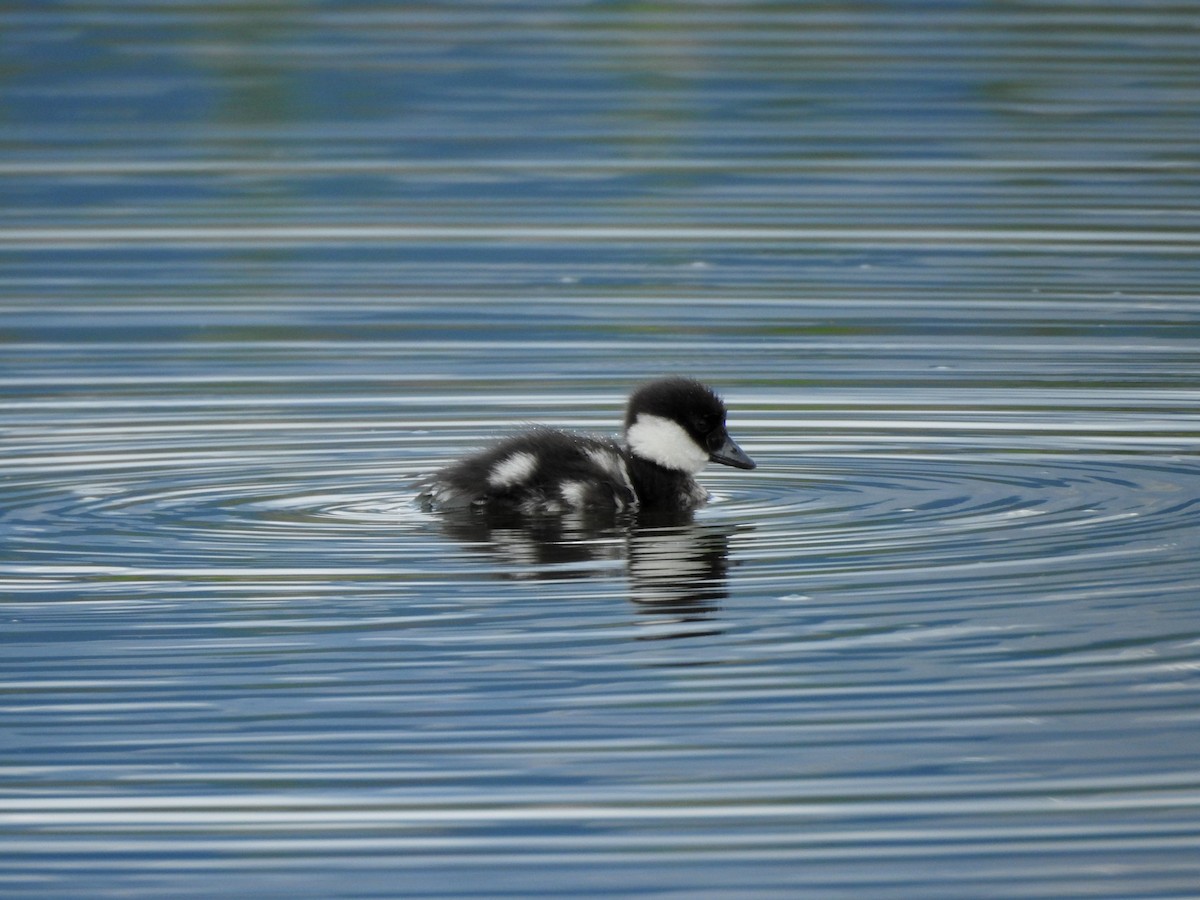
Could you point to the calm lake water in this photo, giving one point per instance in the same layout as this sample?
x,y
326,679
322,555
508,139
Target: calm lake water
x,y
263,264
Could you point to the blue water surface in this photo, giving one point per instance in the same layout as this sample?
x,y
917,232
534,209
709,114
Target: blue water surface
x,y
262,265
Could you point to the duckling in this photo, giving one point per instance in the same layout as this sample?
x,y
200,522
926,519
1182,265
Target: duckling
x,y
673,427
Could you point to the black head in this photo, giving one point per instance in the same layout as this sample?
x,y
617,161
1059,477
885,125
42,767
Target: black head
x,y
699,414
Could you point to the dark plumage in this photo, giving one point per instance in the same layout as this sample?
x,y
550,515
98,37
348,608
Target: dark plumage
x,y
673,426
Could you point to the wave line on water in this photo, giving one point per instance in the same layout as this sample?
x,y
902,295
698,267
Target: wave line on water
x,y
1172,241
232,166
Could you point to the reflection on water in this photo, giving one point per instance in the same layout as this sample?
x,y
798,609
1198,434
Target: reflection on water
x,y
263,264
679,571
674,566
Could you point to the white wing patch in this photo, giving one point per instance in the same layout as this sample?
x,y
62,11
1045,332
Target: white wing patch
x,y
613,465
512,470
574,493
607,461
666,443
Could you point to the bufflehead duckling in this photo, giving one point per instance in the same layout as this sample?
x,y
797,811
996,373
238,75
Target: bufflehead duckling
x,y
673,427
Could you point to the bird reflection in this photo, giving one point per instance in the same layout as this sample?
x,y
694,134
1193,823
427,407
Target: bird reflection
x,y
676,567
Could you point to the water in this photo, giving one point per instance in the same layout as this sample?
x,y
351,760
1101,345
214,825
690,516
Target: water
x,y
262,265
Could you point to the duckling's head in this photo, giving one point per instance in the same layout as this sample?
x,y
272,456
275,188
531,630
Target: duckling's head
x,y
679,424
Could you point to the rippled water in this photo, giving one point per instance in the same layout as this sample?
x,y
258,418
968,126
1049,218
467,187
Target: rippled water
x,y
261,266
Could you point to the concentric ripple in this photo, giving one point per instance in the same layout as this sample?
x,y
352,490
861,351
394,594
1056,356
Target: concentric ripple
x,y
227,497
986,509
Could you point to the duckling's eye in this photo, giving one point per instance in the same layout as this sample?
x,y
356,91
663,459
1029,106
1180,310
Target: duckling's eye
x,y
702,425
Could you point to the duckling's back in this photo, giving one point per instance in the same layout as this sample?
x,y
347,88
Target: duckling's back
x,y
539,471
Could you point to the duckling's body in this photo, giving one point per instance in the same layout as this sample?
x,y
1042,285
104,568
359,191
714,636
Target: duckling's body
x,y
673,427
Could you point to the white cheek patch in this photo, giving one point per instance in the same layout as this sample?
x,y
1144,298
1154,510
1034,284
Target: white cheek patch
x,y
512,470
666,443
